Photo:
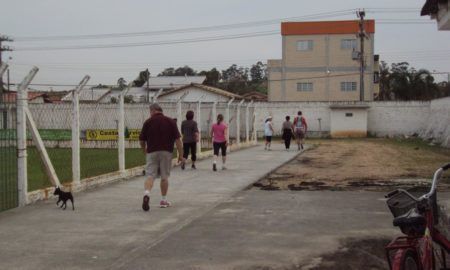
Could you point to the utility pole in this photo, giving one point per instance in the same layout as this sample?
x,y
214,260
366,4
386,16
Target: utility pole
x,y
3,49
362,35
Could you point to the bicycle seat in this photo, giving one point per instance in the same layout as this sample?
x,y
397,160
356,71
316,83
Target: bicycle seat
x,y
411,222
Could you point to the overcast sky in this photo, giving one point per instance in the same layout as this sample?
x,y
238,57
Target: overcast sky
x,y
419,44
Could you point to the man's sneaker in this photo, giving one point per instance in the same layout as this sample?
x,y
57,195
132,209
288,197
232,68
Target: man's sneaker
x,y
224,168
214,167
164,204
182,165
146,203
193,167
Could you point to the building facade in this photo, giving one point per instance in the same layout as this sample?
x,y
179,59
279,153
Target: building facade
x,y
320,62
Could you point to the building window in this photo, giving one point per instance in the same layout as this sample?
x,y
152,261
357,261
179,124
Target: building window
x,y
305,87
349,114
348,86
304,45
376,77
348,44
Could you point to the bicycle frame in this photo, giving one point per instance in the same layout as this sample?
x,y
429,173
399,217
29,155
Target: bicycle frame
x,y
420,246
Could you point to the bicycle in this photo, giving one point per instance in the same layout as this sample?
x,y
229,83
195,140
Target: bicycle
x,y
424,246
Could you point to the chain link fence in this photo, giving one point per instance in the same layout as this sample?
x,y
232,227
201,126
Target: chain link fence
x,y
99,125
8,153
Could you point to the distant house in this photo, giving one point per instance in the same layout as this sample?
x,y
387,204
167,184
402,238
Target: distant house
x,y
172,82
93,95
33,97
255,96
438,10
195,92
145,94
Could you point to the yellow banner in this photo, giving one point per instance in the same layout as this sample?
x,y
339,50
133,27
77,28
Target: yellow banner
x,y
111,134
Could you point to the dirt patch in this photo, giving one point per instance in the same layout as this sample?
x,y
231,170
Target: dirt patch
x,y
356,254
369,164
368,254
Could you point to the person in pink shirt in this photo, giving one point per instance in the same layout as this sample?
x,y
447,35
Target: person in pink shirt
x,y
219,135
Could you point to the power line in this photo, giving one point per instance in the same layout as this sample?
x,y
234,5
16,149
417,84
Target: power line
x,y
154,43
187,30
172,42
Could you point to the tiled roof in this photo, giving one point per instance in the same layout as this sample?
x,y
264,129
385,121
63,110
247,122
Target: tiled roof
x,y
11,96
204,87
89,95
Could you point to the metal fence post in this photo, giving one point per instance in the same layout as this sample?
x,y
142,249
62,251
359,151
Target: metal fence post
x,y
199,125
179,110
76,130
214,112
247,124
22,104
121,131
238,123
255,132
3,68
228,121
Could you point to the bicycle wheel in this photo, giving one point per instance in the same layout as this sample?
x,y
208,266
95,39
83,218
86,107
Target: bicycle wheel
x,y
409,261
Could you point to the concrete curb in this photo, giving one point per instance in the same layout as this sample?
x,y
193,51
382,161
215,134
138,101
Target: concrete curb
x,y
104,179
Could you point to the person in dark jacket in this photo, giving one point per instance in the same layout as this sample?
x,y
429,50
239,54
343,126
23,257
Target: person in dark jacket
x,y
189,130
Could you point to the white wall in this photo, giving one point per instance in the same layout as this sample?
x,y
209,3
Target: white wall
x,y
397,118
431,120
437,126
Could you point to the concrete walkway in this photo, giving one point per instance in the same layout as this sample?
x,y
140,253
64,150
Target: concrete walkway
x,y
109,230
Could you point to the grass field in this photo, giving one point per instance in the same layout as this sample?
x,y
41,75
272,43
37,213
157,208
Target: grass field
x,y
8,178
93,162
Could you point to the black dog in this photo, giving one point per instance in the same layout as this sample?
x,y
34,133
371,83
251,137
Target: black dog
x,y
63,196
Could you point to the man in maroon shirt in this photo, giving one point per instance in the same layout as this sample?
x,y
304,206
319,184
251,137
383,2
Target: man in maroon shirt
x,y
157,137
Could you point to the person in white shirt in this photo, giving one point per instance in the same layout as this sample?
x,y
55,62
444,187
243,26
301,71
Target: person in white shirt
x,y
268,132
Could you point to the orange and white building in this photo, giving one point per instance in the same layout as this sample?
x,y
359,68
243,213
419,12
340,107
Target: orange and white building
x,y
320,62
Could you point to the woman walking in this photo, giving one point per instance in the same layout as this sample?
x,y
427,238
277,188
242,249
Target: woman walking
x,y
219,135
287,132
300,128
268,132
189,130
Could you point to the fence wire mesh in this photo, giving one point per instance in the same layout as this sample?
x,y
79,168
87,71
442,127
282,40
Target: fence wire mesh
x,y
8,153
53,121
98,135
99,124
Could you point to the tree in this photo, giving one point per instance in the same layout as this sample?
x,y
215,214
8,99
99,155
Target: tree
x,y
181,71
258,72
212,77
142,78
185,71
128,99
385,90
167,72
121,83
410,84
